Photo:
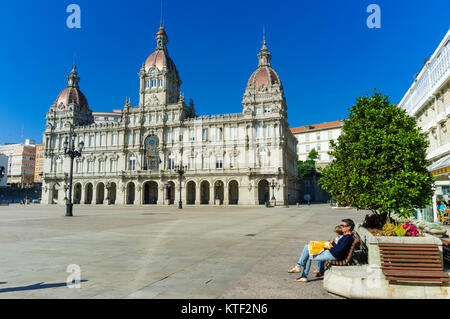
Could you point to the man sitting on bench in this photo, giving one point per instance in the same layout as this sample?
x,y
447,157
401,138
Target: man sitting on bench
x,y
337,252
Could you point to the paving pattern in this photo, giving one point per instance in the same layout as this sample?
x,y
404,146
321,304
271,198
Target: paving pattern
x,y
160,252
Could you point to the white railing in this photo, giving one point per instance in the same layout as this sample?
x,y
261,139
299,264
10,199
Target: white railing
x,y
434,73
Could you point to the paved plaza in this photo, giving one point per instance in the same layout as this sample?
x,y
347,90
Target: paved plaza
x,y
161,252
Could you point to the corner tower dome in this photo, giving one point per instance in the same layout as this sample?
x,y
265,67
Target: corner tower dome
x,y
72,93
264,78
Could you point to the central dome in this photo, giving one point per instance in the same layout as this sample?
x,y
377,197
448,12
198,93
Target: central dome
x,y
160,58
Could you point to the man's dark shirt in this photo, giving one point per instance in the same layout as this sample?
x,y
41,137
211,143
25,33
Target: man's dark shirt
x,y
340,250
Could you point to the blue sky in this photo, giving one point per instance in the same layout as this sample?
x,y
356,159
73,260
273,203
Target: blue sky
x,y
323,52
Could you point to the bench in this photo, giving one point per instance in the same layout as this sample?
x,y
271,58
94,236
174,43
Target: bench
x,y
349,259
412,262
446,250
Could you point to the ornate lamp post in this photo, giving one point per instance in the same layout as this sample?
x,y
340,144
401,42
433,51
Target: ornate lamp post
x,y
273,185
180,169
69,150
2,172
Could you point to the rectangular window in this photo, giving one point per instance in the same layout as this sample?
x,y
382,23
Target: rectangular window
x,y
171,163
330,135
258,110
218,133
318,147
191,163
266,109
102,140
89,166
233,133
113,166
91,140
153,83
219,163
132,164
152,118
169,135
204,134
266,131
159,117
136,138
205,161
257,131
147,84
307,148
160,83
233,162
191,135
175,117
318,136
114,139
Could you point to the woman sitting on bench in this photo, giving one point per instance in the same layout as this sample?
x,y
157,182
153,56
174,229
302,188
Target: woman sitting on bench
x,y
337,252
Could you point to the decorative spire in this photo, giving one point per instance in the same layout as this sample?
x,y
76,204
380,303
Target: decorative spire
x,y
264,55
73,79
161,38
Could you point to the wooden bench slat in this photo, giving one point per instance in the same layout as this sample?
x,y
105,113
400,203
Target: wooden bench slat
x,y
409,265
409,249
416,273
437,253
411,258
407,245
417,279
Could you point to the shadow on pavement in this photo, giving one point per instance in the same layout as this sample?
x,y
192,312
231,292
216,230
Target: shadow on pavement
x,y
40,285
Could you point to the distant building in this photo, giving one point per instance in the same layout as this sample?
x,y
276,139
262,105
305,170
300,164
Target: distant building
x,y
428,100
108,117
4,169
39,163
318,137
21,159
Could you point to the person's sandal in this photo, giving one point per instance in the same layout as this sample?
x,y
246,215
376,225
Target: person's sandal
x,y
319,274
295,269
301,279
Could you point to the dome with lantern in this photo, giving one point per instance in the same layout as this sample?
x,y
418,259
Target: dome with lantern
x,y
72,93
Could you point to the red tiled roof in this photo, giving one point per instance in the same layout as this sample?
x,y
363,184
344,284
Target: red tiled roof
x,y
316,126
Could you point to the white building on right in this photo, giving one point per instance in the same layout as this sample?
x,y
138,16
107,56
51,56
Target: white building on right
x,y
428,100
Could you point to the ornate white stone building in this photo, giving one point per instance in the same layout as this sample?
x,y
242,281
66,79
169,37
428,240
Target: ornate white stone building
x,y
230,158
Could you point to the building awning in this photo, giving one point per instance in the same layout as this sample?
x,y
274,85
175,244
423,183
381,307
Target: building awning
x,y
441,166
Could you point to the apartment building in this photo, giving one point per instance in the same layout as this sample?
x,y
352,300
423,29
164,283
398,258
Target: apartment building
x,y
428,100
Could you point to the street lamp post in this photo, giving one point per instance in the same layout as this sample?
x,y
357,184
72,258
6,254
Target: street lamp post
x,y
180,169
69,150
2,172
273,185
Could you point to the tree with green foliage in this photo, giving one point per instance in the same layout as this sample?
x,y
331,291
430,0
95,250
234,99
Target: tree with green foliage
x,y
308,168
379,162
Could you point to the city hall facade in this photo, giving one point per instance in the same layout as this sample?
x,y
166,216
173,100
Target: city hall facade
x,y
246,158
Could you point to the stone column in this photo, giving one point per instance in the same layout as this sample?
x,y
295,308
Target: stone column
x,y
226,200
138,195
177,193
197,194
83,195
211,195
161,195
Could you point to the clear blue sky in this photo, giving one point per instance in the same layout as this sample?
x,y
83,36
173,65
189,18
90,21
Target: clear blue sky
x,y
322,50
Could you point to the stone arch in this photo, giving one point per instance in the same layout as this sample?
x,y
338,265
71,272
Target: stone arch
x,y
88,193
112,193
204,192
233,192
54,193
170,192
190,192
263,191
100,193
77,190
219,190
150,193
130,193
